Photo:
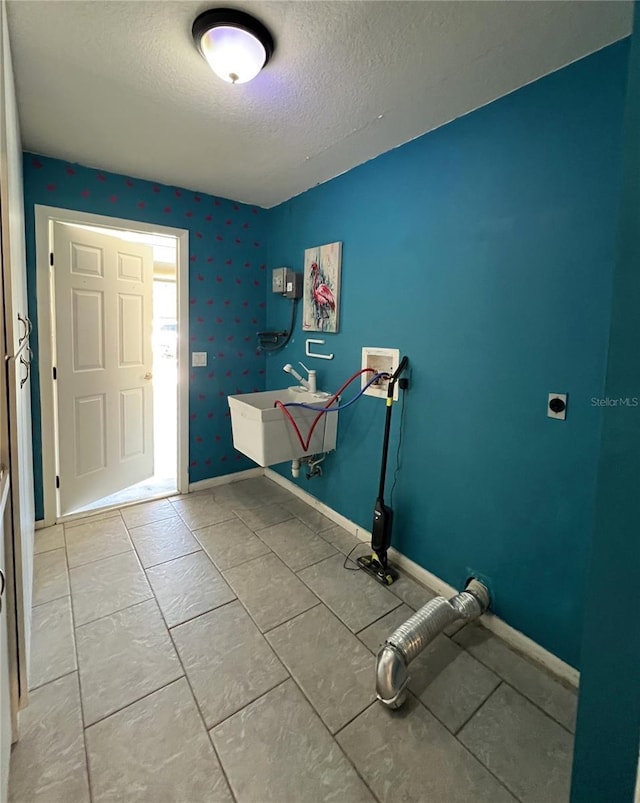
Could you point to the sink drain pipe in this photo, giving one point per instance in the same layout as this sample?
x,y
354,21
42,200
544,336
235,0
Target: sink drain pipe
x,y
408,641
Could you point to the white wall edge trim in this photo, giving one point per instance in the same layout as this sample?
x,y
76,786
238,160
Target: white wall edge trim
x,y
514,638
44,215
225,479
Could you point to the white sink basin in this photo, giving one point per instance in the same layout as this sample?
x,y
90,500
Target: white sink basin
x,y
263,433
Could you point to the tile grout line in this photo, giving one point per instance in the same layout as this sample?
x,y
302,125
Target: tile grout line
x,y
148,694
251,702
195,702
534,704
534,664
348,760
330,557
290,676
375,621
242,563
111,613
475,711
516,689
169,560
106,557
173,515
75,649
186,676
263,632
333,736
353,718
465,748
53,599
202,613
264,526
200,526
320,602
295,616
328,730
133,702
295,571
52,680
89,519
226,719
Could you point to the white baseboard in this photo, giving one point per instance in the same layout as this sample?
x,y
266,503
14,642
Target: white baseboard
x,y
514,638
213,482
338,518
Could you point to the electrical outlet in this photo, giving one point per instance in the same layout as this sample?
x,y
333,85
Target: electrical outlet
x,y
381,360
557,406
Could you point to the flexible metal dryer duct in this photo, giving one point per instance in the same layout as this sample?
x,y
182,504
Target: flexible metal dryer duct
x,y
405,643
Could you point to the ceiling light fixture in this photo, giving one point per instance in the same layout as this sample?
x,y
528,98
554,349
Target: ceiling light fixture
x,y
236,45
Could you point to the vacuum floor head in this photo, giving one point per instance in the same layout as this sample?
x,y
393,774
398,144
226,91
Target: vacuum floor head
x,y
383,574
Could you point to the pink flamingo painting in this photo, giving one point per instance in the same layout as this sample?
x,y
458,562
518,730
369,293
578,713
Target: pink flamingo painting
x,y
322,277
323,299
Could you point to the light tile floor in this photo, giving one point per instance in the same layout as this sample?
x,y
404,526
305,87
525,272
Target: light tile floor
x,y
212,647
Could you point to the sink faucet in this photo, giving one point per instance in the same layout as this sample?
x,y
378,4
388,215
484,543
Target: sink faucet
x,y
309,384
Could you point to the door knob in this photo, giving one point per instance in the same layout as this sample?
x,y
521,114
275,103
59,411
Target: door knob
x,y
148,375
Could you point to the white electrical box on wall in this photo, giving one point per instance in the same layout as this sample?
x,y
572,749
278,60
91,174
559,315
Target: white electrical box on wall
x,y
381,360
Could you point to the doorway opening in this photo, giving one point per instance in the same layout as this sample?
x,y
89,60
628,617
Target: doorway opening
x,y
112,373
164,345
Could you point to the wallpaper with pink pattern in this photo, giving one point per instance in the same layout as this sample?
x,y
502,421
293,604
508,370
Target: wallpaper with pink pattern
x,y
227,289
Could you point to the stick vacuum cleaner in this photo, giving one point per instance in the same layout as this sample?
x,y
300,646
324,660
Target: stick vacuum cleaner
x,y
376,564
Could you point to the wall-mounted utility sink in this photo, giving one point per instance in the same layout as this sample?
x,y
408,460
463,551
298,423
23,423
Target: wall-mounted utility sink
x,y
263,433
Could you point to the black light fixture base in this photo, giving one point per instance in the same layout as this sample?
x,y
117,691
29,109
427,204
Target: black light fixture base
x,y
383,574
232,17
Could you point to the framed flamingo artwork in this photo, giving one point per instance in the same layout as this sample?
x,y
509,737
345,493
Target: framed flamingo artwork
x,y
321,288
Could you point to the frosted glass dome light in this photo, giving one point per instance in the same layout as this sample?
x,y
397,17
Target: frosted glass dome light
x,y
236,45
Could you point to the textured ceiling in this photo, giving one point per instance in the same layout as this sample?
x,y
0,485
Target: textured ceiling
x,y
120,85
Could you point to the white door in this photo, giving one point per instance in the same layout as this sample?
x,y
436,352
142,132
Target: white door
x,y
103,302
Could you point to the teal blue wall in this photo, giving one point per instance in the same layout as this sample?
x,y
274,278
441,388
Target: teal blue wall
x,y
484,251
227,288
608,727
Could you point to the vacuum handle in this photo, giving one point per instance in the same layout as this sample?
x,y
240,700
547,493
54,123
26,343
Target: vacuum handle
x,y
396,375
387,425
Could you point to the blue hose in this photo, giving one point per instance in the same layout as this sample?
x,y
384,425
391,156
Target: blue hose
x,y
339,406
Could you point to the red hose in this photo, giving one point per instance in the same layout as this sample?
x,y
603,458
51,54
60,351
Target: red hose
x,y
305,445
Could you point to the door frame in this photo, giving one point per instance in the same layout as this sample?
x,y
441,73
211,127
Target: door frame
x,y
45,216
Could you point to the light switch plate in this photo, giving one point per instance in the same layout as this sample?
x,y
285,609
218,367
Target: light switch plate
x,y
198,359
